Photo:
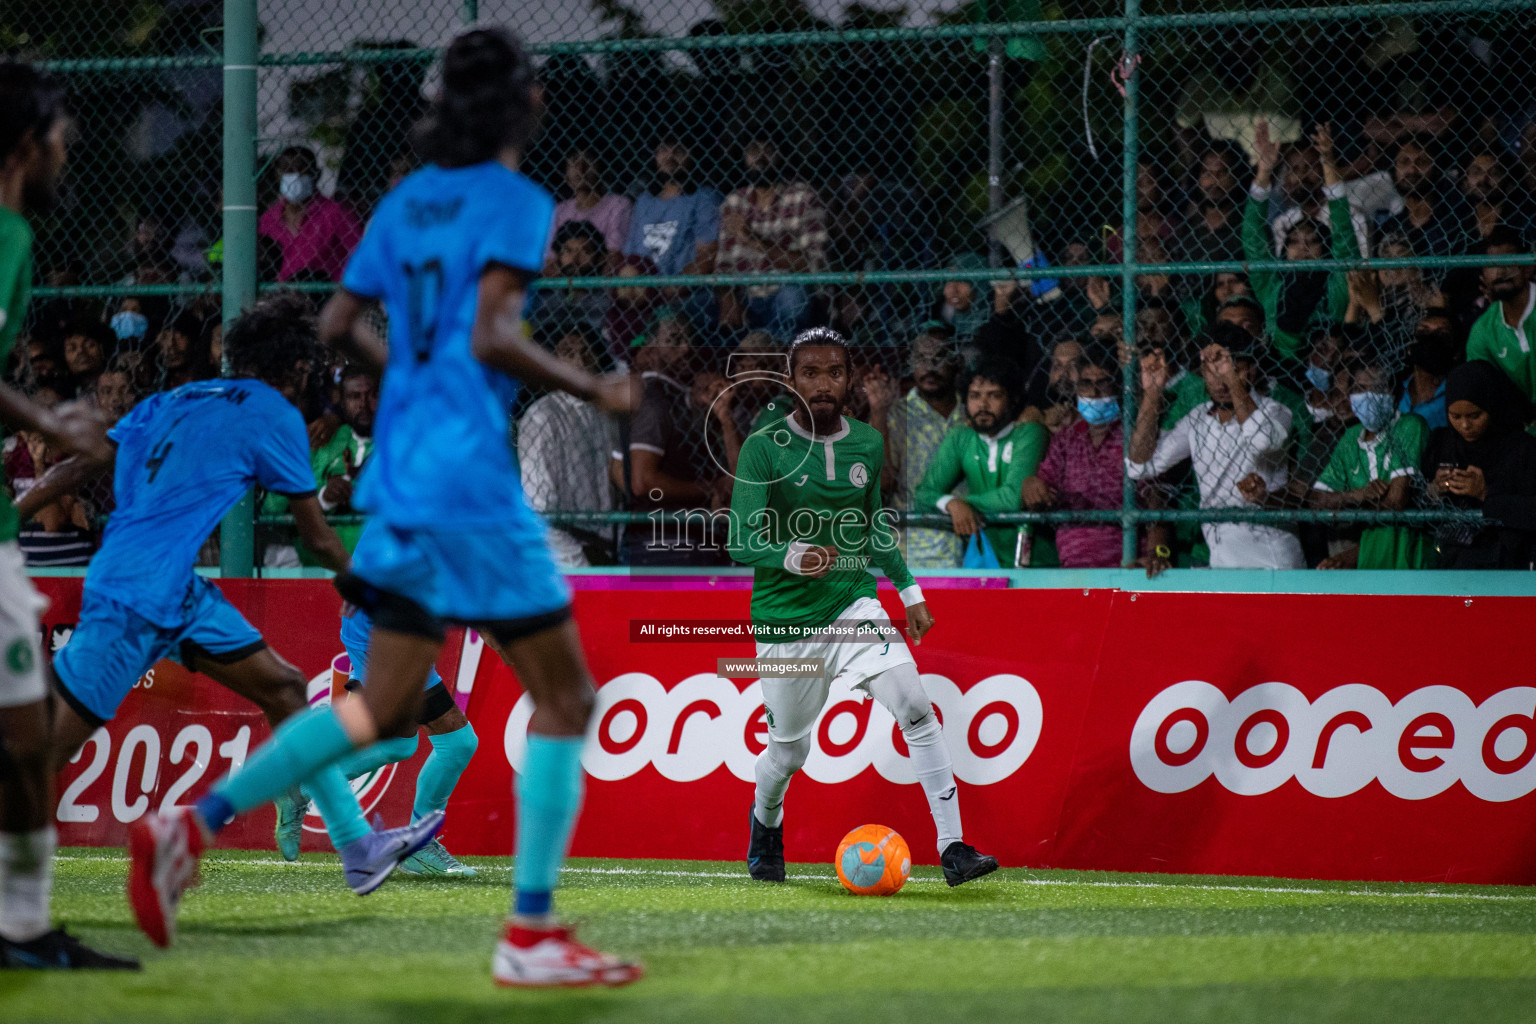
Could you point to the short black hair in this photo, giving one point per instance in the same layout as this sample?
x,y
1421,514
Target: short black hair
x,y
819,337
271,338
31,103
486,102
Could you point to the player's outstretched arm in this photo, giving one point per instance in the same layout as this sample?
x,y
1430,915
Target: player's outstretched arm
x,y
318,535
342,328
501,340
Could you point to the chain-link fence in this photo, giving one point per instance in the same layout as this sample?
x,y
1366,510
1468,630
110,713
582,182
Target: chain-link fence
x,y
1244,247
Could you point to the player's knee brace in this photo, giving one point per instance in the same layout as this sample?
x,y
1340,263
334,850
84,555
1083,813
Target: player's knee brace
x,y
788,757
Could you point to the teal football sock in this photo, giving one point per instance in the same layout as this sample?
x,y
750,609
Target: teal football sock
x,y
337,805
451,754
548,797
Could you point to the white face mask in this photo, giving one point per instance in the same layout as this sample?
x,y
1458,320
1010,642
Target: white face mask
x,y
296,188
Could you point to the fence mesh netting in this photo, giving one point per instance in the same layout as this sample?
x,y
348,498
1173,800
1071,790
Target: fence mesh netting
x,y
944,184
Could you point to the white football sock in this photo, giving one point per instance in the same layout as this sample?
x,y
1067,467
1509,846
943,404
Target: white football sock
x,y
26,882
775,767
901,692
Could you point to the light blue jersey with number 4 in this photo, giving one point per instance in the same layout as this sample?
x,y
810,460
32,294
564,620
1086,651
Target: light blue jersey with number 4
x,y
184,457
444,453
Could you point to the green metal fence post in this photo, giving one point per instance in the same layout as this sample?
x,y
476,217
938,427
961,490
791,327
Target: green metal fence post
x,y
237,535
1128,273
471,11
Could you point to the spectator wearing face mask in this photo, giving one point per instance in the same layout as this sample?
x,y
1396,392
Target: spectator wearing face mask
x,y
1484,460
1373,467
1434,352
1084,468
315,232
1051,396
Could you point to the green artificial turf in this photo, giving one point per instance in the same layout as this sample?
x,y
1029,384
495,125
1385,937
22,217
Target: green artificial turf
x,y
264,941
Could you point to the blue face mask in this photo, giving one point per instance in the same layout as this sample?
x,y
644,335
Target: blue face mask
x,y
130,326
1319,377
1098,411
1373,409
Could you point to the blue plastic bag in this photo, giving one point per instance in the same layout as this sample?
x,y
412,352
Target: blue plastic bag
x,y
979,553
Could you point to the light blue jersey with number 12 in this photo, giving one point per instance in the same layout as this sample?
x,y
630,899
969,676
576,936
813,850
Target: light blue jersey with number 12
x,y
444,455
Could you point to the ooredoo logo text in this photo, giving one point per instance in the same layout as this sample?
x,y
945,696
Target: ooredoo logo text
x,y
1416,747
704,722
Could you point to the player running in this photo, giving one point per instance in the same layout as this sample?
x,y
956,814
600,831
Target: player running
x,y
453,743
33,124
806,515
451,252
182,459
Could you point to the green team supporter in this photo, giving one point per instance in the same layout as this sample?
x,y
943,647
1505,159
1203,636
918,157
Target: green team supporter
x,y
15,291
994,470
1268,286
1390,454
1505,346
794,491
344,451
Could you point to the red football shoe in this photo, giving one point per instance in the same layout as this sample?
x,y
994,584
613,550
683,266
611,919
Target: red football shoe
x,y
163,851
552,958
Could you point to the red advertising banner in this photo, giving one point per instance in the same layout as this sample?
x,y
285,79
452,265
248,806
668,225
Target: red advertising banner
x,y
178,732
1387,738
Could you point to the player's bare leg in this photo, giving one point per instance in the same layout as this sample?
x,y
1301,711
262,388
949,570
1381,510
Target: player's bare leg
x,y
535,950
900,691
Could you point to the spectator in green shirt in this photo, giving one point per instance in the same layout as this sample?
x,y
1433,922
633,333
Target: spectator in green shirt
x,y
1506,332
1292,299
336,463
1374,466
991,453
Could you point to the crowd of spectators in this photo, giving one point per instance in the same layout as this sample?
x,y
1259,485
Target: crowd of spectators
x,y
1376,390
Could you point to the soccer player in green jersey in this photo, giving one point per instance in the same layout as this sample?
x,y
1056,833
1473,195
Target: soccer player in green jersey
x,y
33,124
806,515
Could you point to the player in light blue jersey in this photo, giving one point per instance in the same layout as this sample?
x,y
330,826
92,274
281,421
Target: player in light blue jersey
x,y
180,461
450,253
